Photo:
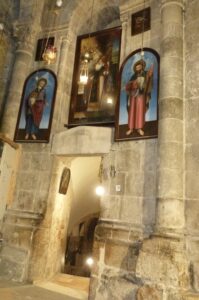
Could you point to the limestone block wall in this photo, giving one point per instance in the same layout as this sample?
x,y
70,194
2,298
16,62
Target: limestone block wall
x,y
128,214
33,178
128,264
135,174
35,171
192,137
126,256
8,169
8,13
135,162
49,241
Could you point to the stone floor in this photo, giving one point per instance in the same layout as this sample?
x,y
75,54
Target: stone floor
x,y
62,287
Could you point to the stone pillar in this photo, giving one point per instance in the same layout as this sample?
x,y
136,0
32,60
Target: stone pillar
x,y
26,40
124,20
20,71
170,205
61,106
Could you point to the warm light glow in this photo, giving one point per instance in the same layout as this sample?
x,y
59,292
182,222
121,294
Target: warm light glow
x,y
49,55
83,79
100,190
87,55
59,3
110,100
89,261
1,26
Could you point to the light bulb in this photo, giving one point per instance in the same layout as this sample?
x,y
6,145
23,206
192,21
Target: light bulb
x,y
109,100
89,261
100,190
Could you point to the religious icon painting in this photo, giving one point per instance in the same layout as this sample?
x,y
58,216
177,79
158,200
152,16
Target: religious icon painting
x,y
64,182
137,108
36,108
95,78
141,21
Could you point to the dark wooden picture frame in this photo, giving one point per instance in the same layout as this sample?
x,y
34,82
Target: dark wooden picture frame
x,y
36,108
94,103
137,107
141,21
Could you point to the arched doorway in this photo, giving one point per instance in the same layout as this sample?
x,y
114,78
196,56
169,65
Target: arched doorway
x,y
84,214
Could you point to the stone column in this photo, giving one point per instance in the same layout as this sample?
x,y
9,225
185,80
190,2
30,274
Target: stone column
x,y
20,71
170,205
61,106
124,20
25,33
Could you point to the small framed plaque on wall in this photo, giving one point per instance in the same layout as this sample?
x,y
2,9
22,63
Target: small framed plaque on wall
x,y
141,21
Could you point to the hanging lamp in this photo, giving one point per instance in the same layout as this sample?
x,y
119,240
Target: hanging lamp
x,y
88,55
50,51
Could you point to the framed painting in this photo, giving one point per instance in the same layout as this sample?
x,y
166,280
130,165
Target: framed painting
x,y
36,108
93,99
64,182
137,108
141,21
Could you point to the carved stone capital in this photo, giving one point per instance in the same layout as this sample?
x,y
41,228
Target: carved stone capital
x,y
25,35
124,19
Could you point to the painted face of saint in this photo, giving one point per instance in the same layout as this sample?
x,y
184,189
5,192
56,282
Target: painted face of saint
x,y
138,68
41,84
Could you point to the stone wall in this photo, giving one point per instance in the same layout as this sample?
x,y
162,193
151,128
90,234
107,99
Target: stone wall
x,y
140,248
8,169
127,215
128,264
49,242
8,13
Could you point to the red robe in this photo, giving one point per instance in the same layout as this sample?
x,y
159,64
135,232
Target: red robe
x,y
37,107
138,90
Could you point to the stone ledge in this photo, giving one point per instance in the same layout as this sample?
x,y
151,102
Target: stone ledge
x,y
83,140
117,235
